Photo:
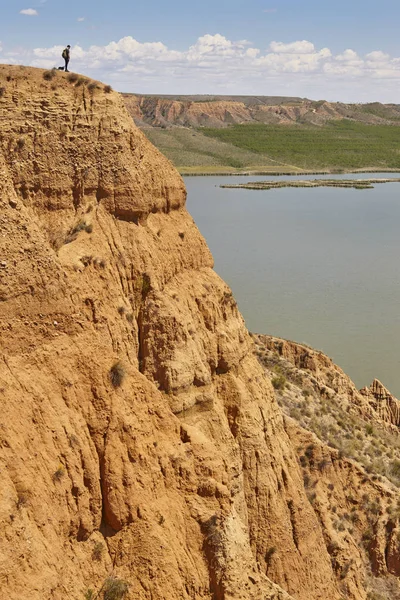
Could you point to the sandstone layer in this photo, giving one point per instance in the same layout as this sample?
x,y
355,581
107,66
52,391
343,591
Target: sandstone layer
x,y
222,111
140,438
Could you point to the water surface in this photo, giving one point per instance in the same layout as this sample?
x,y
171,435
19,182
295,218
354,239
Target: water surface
x,y
319,266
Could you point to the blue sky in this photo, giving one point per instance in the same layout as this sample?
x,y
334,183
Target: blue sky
x,y
347,51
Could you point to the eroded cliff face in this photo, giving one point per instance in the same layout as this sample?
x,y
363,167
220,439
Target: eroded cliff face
x,y
139,435
349,450
222,111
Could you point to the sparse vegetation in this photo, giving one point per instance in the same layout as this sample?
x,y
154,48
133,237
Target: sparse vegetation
x,y
49,75
23,495
59,473
115,588
278,380
338,425
92,87
2,91
270,553
72,77
81,81
108,89
73,232
98,551
117,374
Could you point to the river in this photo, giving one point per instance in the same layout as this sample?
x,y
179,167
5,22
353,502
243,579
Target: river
x,y
320,266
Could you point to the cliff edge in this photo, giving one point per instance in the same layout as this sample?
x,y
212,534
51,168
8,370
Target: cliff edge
x,y
140,441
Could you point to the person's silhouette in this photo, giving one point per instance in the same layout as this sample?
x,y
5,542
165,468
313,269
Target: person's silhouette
x,y
66,56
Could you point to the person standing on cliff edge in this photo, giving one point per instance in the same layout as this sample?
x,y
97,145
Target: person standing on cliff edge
x,y
66,56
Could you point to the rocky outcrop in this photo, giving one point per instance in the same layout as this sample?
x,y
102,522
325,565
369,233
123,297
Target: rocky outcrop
x,y
376,403
383,402
222,111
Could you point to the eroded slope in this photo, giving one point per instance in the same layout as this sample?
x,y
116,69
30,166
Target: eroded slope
x,y
139,436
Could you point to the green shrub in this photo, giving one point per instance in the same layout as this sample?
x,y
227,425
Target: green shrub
x,y
279,382
98,550
108,89
395,468
114,588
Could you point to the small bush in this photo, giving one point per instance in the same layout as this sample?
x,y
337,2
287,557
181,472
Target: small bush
x,y
49,75
270,553
98,550
81,81
114,588
73,232
117,374
89,594
72,77
89,228
23,496
59,474
108,89
2,91
395,468
20,143
92,87
279,382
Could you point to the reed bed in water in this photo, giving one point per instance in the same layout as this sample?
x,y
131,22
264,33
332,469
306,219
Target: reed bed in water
x,y
358,184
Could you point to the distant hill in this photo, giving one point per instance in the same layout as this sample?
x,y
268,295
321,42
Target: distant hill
x,y
213,133
222,111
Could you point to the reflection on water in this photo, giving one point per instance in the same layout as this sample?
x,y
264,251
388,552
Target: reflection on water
x,y
319,266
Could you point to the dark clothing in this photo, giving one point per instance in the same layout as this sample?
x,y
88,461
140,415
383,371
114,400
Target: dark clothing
x,y
66,56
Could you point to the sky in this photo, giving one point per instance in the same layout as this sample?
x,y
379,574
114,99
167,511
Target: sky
x,y
346,51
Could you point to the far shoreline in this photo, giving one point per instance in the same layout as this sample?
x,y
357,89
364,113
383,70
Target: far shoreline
x,y
283,173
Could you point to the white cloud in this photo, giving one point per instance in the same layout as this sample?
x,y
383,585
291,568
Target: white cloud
x,y
31,12
215,64
302,47
80,19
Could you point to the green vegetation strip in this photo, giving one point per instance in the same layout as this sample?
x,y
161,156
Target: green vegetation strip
x,y
358,184
341,144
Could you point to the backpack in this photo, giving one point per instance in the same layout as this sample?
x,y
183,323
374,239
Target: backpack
x,y
64,54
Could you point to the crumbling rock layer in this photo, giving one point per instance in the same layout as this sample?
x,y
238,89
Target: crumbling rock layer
x,y
139,436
